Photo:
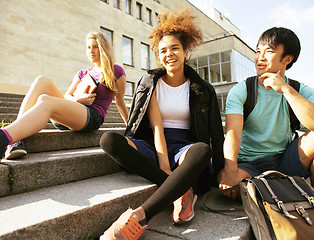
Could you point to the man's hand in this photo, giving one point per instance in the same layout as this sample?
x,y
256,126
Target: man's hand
x,y
273,81
229,178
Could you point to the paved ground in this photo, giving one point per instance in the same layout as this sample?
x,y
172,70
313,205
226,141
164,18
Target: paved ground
x,y
205,225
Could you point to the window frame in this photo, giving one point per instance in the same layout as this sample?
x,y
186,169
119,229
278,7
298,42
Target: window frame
x,y
147,62
139,14
128,7
125,51
118,6
107,31
149,19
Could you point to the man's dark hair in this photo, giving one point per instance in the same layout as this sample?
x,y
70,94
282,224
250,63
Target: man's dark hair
x,y
279,35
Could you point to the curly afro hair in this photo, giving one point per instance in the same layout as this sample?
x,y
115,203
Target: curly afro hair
x,y
180,24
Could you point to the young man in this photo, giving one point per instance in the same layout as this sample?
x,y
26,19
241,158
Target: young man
x,y
264,141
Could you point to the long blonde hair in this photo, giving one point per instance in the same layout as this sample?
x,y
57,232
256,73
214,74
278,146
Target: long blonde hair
x,y
107,76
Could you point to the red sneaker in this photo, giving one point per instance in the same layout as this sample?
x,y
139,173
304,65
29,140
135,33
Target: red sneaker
x,y
184,208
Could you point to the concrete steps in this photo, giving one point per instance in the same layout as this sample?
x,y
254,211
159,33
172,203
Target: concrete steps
x,y
68,188
10,104
71,211
45,169
53,140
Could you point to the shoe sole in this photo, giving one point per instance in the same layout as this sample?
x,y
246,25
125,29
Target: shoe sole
x,y
16,154
180,222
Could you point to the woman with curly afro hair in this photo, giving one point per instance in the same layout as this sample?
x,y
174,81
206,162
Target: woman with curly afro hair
x,y
174,133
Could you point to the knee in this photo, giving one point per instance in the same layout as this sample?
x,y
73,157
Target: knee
x,y
43,98
42,81
110,142
306,146
307,139
203,152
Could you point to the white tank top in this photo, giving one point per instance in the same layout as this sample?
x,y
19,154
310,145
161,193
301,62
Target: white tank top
x,y
174,104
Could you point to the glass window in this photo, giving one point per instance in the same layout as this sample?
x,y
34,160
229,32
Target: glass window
x,y
225,56
129,88
226,72
128,4
202,61
145,56
127,50
116,3
214,58
215,73
218,67
108,33
204,73
148,16
138,10
242,67
156,19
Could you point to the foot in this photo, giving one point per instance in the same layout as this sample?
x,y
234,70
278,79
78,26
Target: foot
x,y
127,226
184,208
16,150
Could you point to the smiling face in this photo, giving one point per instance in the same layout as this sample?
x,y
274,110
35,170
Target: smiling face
x,y
269,59
92,51
171,53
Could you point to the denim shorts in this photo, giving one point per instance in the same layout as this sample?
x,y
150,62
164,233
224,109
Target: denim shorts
x,y
177,140
288,163
94,121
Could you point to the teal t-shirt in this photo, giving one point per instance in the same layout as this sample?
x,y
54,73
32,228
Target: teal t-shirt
x,y
267,129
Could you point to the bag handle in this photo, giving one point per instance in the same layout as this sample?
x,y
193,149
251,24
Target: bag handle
x,y
280,203
266,173
294,183
304,194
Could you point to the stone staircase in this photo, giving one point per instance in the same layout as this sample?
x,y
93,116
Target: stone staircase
x,y
68,188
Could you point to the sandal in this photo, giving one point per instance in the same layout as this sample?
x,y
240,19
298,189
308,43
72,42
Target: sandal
x,y
125,228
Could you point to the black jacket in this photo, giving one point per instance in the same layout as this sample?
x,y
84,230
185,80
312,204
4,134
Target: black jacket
x,y
205,116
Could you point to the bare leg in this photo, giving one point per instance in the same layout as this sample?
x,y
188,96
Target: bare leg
x,y
41,85
306,152
69,113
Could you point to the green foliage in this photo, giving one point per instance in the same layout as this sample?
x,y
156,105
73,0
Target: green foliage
x,y
88,236
4,123
11,178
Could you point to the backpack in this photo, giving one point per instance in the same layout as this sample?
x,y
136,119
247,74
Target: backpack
x,y
251,87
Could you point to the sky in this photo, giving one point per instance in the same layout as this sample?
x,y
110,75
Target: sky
x,y
253,17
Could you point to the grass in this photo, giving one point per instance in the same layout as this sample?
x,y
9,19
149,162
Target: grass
x,y
4,123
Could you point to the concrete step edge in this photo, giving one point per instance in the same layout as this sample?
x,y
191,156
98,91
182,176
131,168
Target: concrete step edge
x,y
41,170
73,210
54,140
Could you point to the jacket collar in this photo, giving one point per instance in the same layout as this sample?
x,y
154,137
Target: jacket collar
x,y
189,72
196,81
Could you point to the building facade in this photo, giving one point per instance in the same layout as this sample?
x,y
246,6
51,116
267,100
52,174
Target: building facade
x,y
48,38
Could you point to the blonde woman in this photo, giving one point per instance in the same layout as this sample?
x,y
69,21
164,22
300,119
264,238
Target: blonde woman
x,y
77,111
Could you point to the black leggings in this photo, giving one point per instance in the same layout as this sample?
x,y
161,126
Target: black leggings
x,y
172,186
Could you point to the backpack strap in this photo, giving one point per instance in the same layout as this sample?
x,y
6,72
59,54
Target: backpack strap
x,y
294,122
251,88
250,102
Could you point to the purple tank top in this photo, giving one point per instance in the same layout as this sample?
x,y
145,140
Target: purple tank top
x,y
103,99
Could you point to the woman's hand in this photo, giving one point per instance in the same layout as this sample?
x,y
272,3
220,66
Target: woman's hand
x,y
85,98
